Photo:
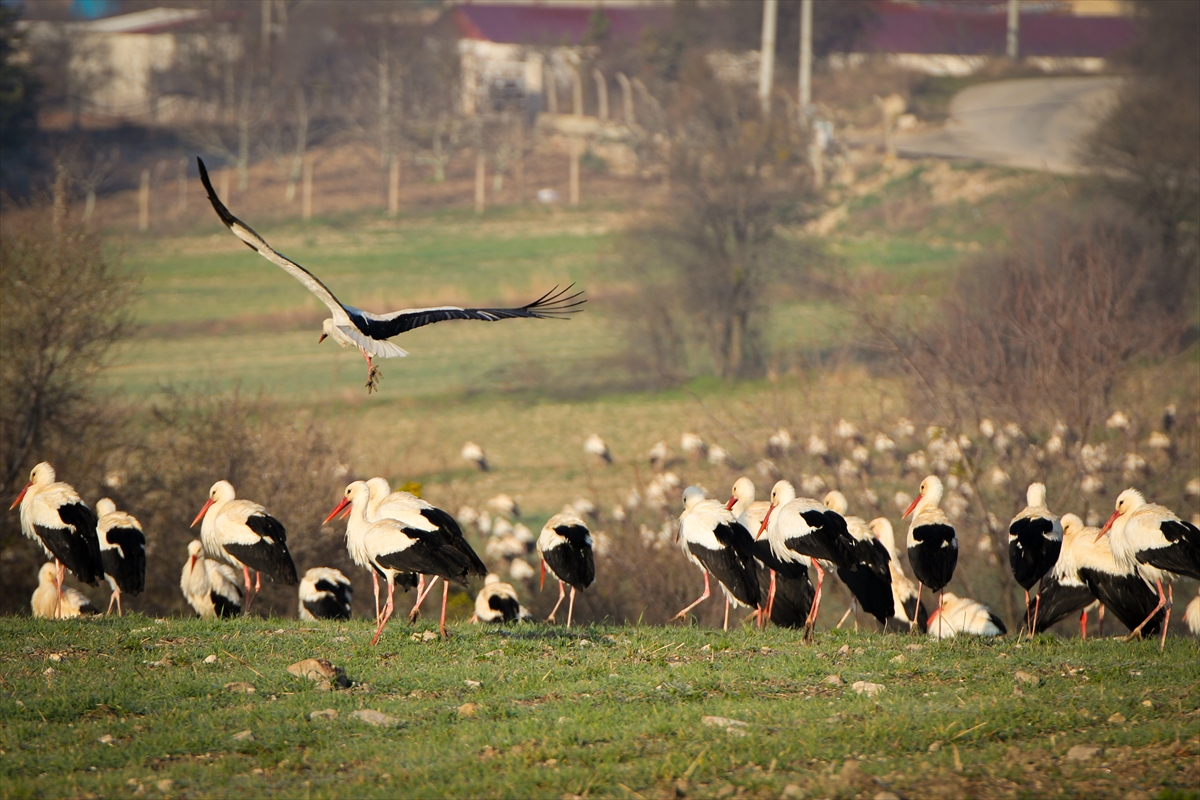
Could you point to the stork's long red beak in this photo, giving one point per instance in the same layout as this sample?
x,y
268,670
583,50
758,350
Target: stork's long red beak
x,y
346,513
17,502
732,502
914,505
345,502
1108,524
203,511
542,585
192,562
766,519
321,339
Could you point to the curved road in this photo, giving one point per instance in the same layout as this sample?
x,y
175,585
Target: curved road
x,y
1035,123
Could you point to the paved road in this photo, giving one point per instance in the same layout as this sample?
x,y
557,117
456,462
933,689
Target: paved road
x,y
1036,123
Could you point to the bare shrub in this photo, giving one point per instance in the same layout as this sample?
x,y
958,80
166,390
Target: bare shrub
x,y
63,303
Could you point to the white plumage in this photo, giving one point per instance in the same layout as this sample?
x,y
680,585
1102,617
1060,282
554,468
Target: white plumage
x,y
122,551
474,453
1191,616
595,446
961,615
53,515
211,588
325,593
498,602
46,603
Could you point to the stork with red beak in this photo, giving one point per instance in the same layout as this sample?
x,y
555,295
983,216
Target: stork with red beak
x,y
565,546
1154,538
208,586
932,543
53,515
242,534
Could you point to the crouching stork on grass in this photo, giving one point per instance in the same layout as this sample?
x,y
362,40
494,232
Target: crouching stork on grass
x,y
1064,590
962,615
498,602
713,540
122,551
325,594
242,534
211,588
932,543
1153,538
1034,541
49,603
565,545
53,514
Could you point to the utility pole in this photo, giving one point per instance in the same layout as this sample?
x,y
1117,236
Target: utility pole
x,y
1014,24
766,73
806,9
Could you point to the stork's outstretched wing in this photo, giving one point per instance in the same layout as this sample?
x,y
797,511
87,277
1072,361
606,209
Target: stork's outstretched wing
x,y
256,242
554,304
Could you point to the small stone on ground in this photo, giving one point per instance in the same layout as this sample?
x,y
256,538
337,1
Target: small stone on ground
x,y
243,736
240,686
1024,677
469,709
1083,752
324,713
372,717
867,688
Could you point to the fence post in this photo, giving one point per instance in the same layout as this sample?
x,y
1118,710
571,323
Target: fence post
x,y
144,202
480,178
306,192
601,94
394,185
576,92
574,187
626,97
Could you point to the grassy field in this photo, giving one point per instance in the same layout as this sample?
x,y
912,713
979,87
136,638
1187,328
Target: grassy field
x,y
536,711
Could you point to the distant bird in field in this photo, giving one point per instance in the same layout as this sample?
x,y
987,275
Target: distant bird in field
x,y
906,604
419,514
961,615
565,546
349,326
325,593
1153,537
932,543
53,514
209,586
713,540
48,603
474,453
242,534
1034,540
595,446
398,550
497,602
122,551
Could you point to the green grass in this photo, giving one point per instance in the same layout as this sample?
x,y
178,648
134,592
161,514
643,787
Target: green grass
x,y
619,716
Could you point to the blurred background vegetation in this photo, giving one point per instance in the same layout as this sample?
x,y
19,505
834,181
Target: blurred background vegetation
x,y
854,329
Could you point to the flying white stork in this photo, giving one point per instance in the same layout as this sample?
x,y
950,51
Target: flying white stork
x,y
1034,541
396,549
325,593
712,539
497,602
416,513
932,543
53,514
209,586
565,545
958,615
122,551
1152,536
905,599
48,603
369,332
242,534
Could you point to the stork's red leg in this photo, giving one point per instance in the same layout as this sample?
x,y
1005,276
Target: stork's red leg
x,y
701,599
562,592
1083,625
375,581
112,600
257,581
726,613
811,622
445,597
249,594
771,597
912,624
1167,622
1037,606
571,607
416,609
387,612
58,584
1162,601
1028,626
1100,621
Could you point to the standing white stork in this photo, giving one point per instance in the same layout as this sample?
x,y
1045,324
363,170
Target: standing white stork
x,y
122,551
325,593
868,576
497,602
932,543
784,588
907,604
1152,536
241,533
396,549
712,539
565,546
957,615
799,528
53,514
48,603
1034,541
349,326
1064,590
421,515
209,586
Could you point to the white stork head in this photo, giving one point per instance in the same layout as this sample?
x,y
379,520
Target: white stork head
x,y
1036,495
41,475
356,493
1071,524
328,329
836,502
193,552
221,492
743,492
930,493
1128,501
104,506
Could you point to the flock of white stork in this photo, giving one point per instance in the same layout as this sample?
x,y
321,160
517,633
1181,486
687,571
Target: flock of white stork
x,y
758,552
